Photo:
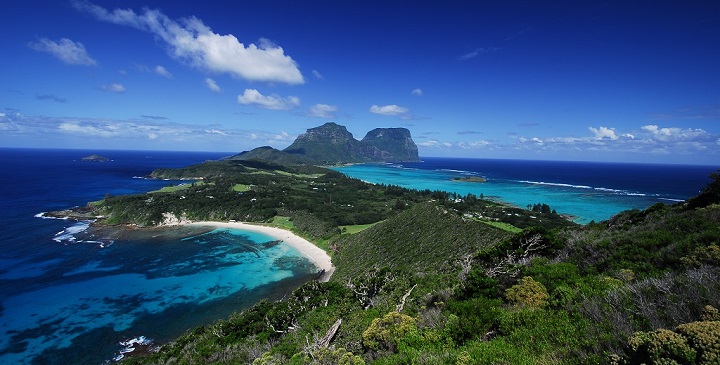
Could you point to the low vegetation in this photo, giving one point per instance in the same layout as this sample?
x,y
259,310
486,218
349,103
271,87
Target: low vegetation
x,y
435,278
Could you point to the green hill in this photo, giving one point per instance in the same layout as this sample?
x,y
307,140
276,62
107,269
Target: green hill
x,y
426,238
273,155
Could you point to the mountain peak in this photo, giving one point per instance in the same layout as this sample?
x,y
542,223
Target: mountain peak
x,y
333,143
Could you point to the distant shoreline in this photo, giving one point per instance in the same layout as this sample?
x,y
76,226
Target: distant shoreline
x,y
317,255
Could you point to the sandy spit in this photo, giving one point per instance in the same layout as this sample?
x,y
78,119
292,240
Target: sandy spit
x,y
317,255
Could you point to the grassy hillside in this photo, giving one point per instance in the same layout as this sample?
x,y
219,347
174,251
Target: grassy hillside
x,y
413,241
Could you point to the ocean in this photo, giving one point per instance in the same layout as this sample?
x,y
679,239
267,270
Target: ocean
x,y
587,191
67,297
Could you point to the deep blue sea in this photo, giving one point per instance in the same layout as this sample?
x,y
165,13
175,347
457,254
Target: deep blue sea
x,y
69,300
585,190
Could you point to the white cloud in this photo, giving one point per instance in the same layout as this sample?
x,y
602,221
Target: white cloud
x,y
474,144
93,129
323,111
428,143
318,75
417,92
273,102
190,40
476,52
162,71
116,88
132,134
388,109
604,132
72,53
674,134
212,85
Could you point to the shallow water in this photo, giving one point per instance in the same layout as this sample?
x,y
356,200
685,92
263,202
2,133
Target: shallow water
x,y
585,190
69,295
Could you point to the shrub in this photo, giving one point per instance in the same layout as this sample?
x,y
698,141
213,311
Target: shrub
x,y
703,337
710,313
473,319
660,347
326,356
528,293
385,333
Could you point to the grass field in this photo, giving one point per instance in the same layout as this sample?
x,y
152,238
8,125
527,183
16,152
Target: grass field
x,y
356,228
174,188
504,226
241,188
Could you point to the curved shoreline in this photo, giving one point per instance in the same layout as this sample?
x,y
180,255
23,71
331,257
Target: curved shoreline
x,y
317,255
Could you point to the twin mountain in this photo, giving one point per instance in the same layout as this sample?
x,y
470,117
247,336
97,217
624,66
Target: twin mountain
x,y
331,143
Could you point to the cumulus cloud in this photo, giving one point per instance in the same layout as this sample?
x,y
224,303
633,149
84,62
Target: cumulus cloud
x,y
72,53
162,71
190,40
604,132
675,134
318,75
389,110
115,88
323,111
417,92
272,102
648,140
212,85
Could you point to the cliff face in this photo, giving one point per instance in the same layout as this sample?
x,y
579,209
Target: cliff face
x,y
332,143
390,144
328,143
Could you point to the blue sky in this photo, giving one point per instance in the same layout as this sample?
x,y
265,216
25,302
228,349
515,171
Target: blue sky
x,y
634,81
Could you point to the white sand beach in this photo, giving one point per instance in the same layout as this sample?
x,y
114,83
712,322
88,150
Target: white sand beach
x,y
317,255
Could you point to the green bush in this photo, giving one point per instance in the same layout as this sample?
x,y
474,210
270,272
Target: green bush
x,y
326,356
660,347
710,313
385,333
703,337
474,318
527,293
478,284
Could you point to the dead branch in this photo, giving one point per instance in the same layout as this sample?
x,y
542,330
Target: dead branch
x,y
400,306
324,342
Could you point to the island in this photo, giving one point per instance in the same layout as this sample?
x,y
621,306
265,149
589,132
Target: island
x,y
472,179
425,276
95,158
